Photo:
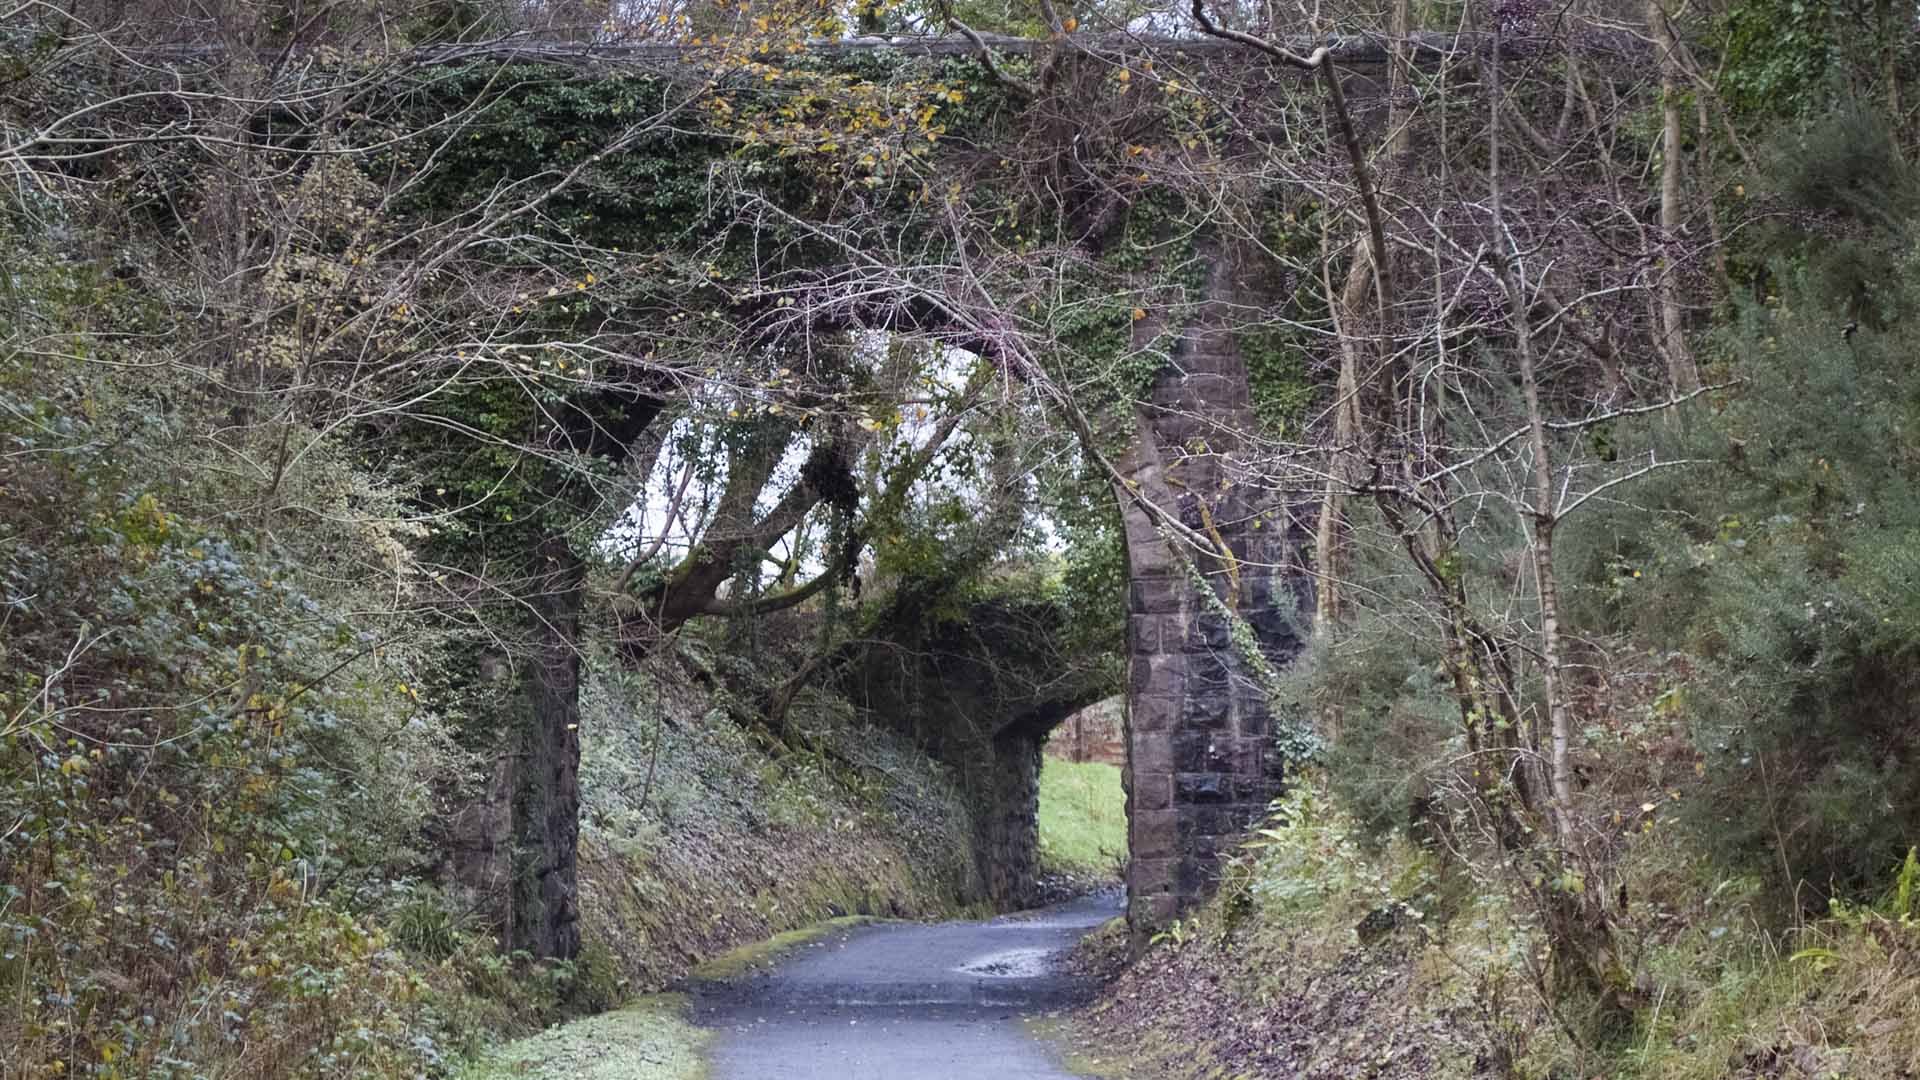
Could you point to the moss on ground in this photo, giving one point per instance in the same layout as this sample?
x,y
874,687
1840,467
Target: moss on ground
x,y
649,1039
762,954
1083,818
697,837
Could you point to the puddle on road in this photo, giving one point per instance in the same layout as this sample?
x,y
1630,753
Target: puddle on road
x,y
1011,964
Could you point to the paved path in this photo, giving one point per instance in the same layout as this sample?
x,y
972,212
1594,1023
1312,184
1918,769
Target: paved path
x,y
905,1002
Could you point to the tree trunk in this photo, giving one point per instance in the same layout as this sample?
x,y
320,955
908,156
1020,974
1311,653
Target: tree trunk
x,y
1703,179
1399,133
546,808
1573,913
1893,31
1333,556
1681,372
1540,526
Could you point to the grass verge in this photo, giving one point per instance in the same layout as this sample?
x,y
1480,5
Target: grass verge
x,y
1076,1057
1083,818
649,1039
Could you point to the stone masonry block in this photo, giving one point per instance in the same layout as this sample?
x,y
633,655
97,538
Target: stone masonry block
x,y
1149,913
1173,426
1152,791
1253,720
1157,675
1200,825
1210,633
1152,752
1155,834
1198,875
1194,788
1215,393
1155,633
1248,757
1152,877
1201,752
1157,596
1207,667
1154,714
1205,710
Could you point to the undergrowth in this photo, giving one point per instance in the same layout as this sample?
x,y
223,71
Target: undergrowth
x,y
1330,951
221,782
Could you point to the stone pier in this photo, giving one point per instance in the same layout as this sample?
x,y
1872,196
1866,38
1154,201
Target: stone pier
x,y
1202,765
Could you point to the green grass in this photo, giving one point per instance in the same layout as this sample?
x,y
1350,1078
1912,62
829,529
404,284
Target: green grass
x,y
649,1039
1083,817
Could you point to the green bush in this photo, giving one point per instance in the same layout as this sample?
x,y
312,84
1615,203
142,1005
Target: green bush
x,y
208,772
1394,725
1787,572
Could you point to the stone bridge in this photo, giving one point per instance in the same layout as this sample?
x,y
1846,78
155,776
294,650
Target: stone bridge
x,y
981,692
1203,764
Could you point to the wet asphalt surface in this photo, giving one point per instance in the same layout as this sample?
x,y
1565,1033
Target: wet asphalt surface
x,y
905,1001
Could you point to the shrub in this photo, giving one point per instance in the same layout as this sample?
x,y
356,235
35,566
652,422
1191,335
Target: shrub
x,y
206,770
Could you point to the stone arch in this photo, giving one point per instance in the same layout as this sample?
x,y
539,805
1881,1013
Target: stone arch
x,y
980,688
